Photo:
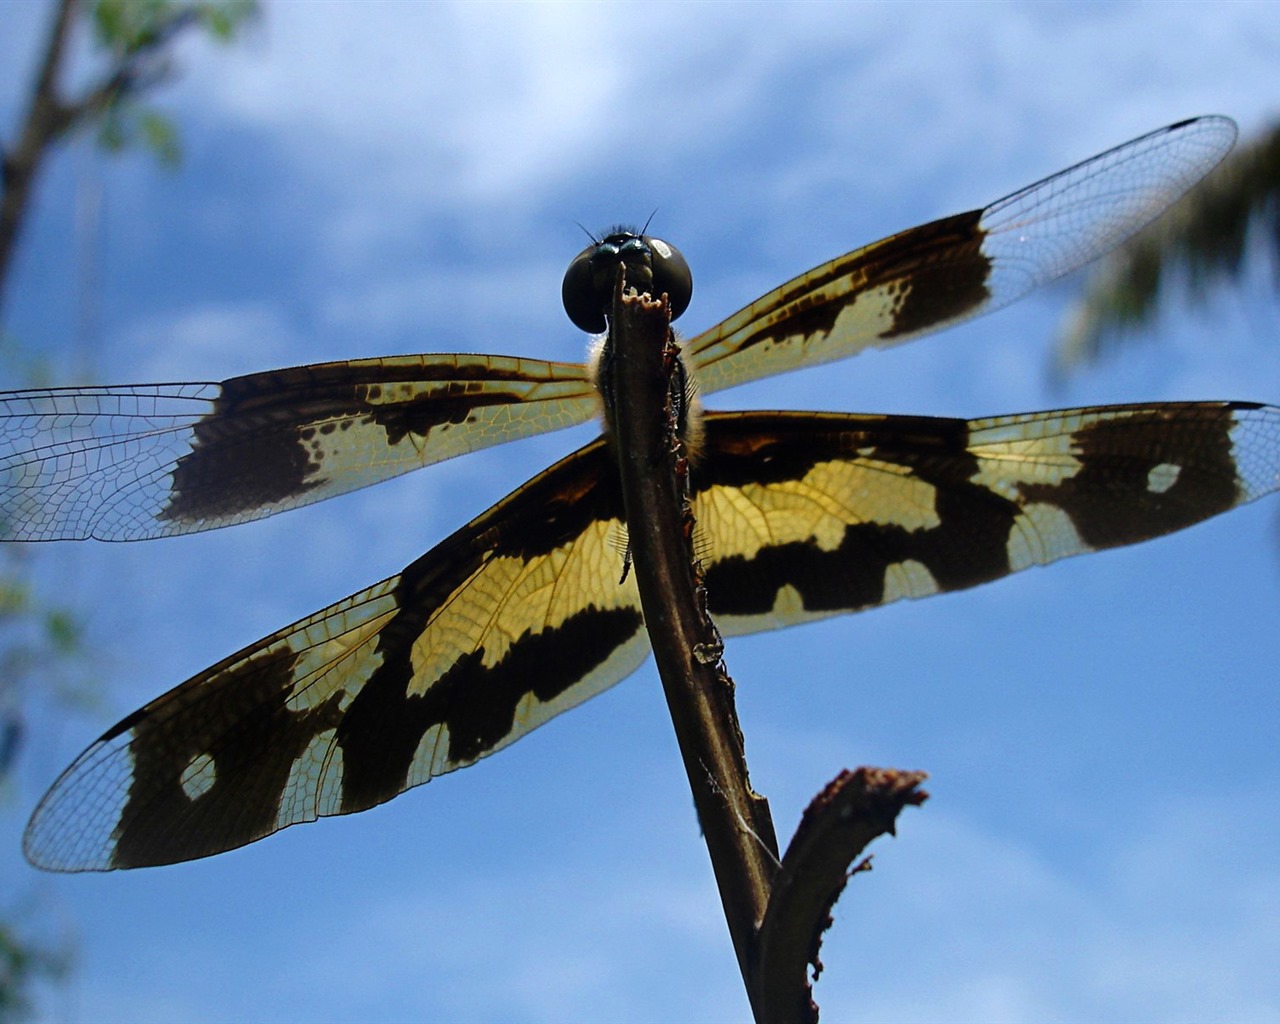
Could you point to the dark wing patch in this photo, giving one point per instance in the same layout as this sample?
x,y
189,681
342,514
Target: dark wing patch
x,y
513,619
807,515
127,463
938,274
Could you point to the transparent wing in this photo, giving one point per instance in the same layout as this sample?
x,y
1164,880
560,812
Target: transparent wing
x,y
930,277
128,463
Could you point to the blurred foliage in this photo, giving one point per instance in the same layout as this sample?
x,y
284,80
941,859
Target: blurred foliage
x,y
24,960
126,26
1206,239
136,34
37,642
39,659
132,53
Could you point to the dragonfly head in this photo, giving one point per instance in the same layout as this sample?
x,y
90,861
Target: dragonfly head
x,y
653,266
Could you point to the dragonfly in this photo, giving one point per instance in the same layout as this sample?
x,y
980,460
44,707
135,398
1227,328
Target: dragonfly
x,y
525,611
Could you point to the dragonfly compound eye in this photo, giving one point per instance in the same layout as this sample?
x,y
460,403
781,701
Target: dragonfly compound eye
x,y
653,266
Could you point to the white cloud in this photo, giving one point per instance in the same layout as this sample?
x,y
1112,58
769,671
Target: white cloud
x,y
370,87
223,340
393,119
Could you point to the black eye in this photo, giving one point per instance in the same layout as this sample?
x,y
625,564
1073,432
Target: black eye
x,y
582,300
654,266
671,274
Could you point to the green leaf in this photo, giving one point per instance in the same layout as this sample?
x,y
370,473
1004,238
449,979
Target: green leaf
x,y
223,20
126,26
15,597
160,136
63,631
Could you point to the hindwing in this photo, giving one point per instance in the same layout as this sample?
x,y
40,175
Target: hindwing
x,y
525,612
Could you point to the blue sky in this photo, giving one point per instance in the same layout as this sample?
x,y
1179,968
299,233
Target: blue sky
x,y
375,179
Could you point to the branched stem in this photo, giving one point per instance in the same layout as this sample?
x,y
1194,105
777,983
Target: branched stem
x,y
776,909
735,820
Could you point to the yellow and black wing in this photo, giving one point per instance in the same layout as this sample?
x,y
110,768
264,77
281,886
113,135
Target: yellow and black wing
x,y
808,515
511,620
929,277
138,461
523,613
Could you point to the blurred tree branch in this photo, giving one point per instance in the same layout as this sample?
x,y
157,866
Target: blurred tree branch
x,y
1202,241
136,37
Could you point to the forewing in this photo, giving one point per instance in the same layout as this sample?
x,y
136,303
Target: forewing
x,y
128,463
807,515
515,618
932,276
